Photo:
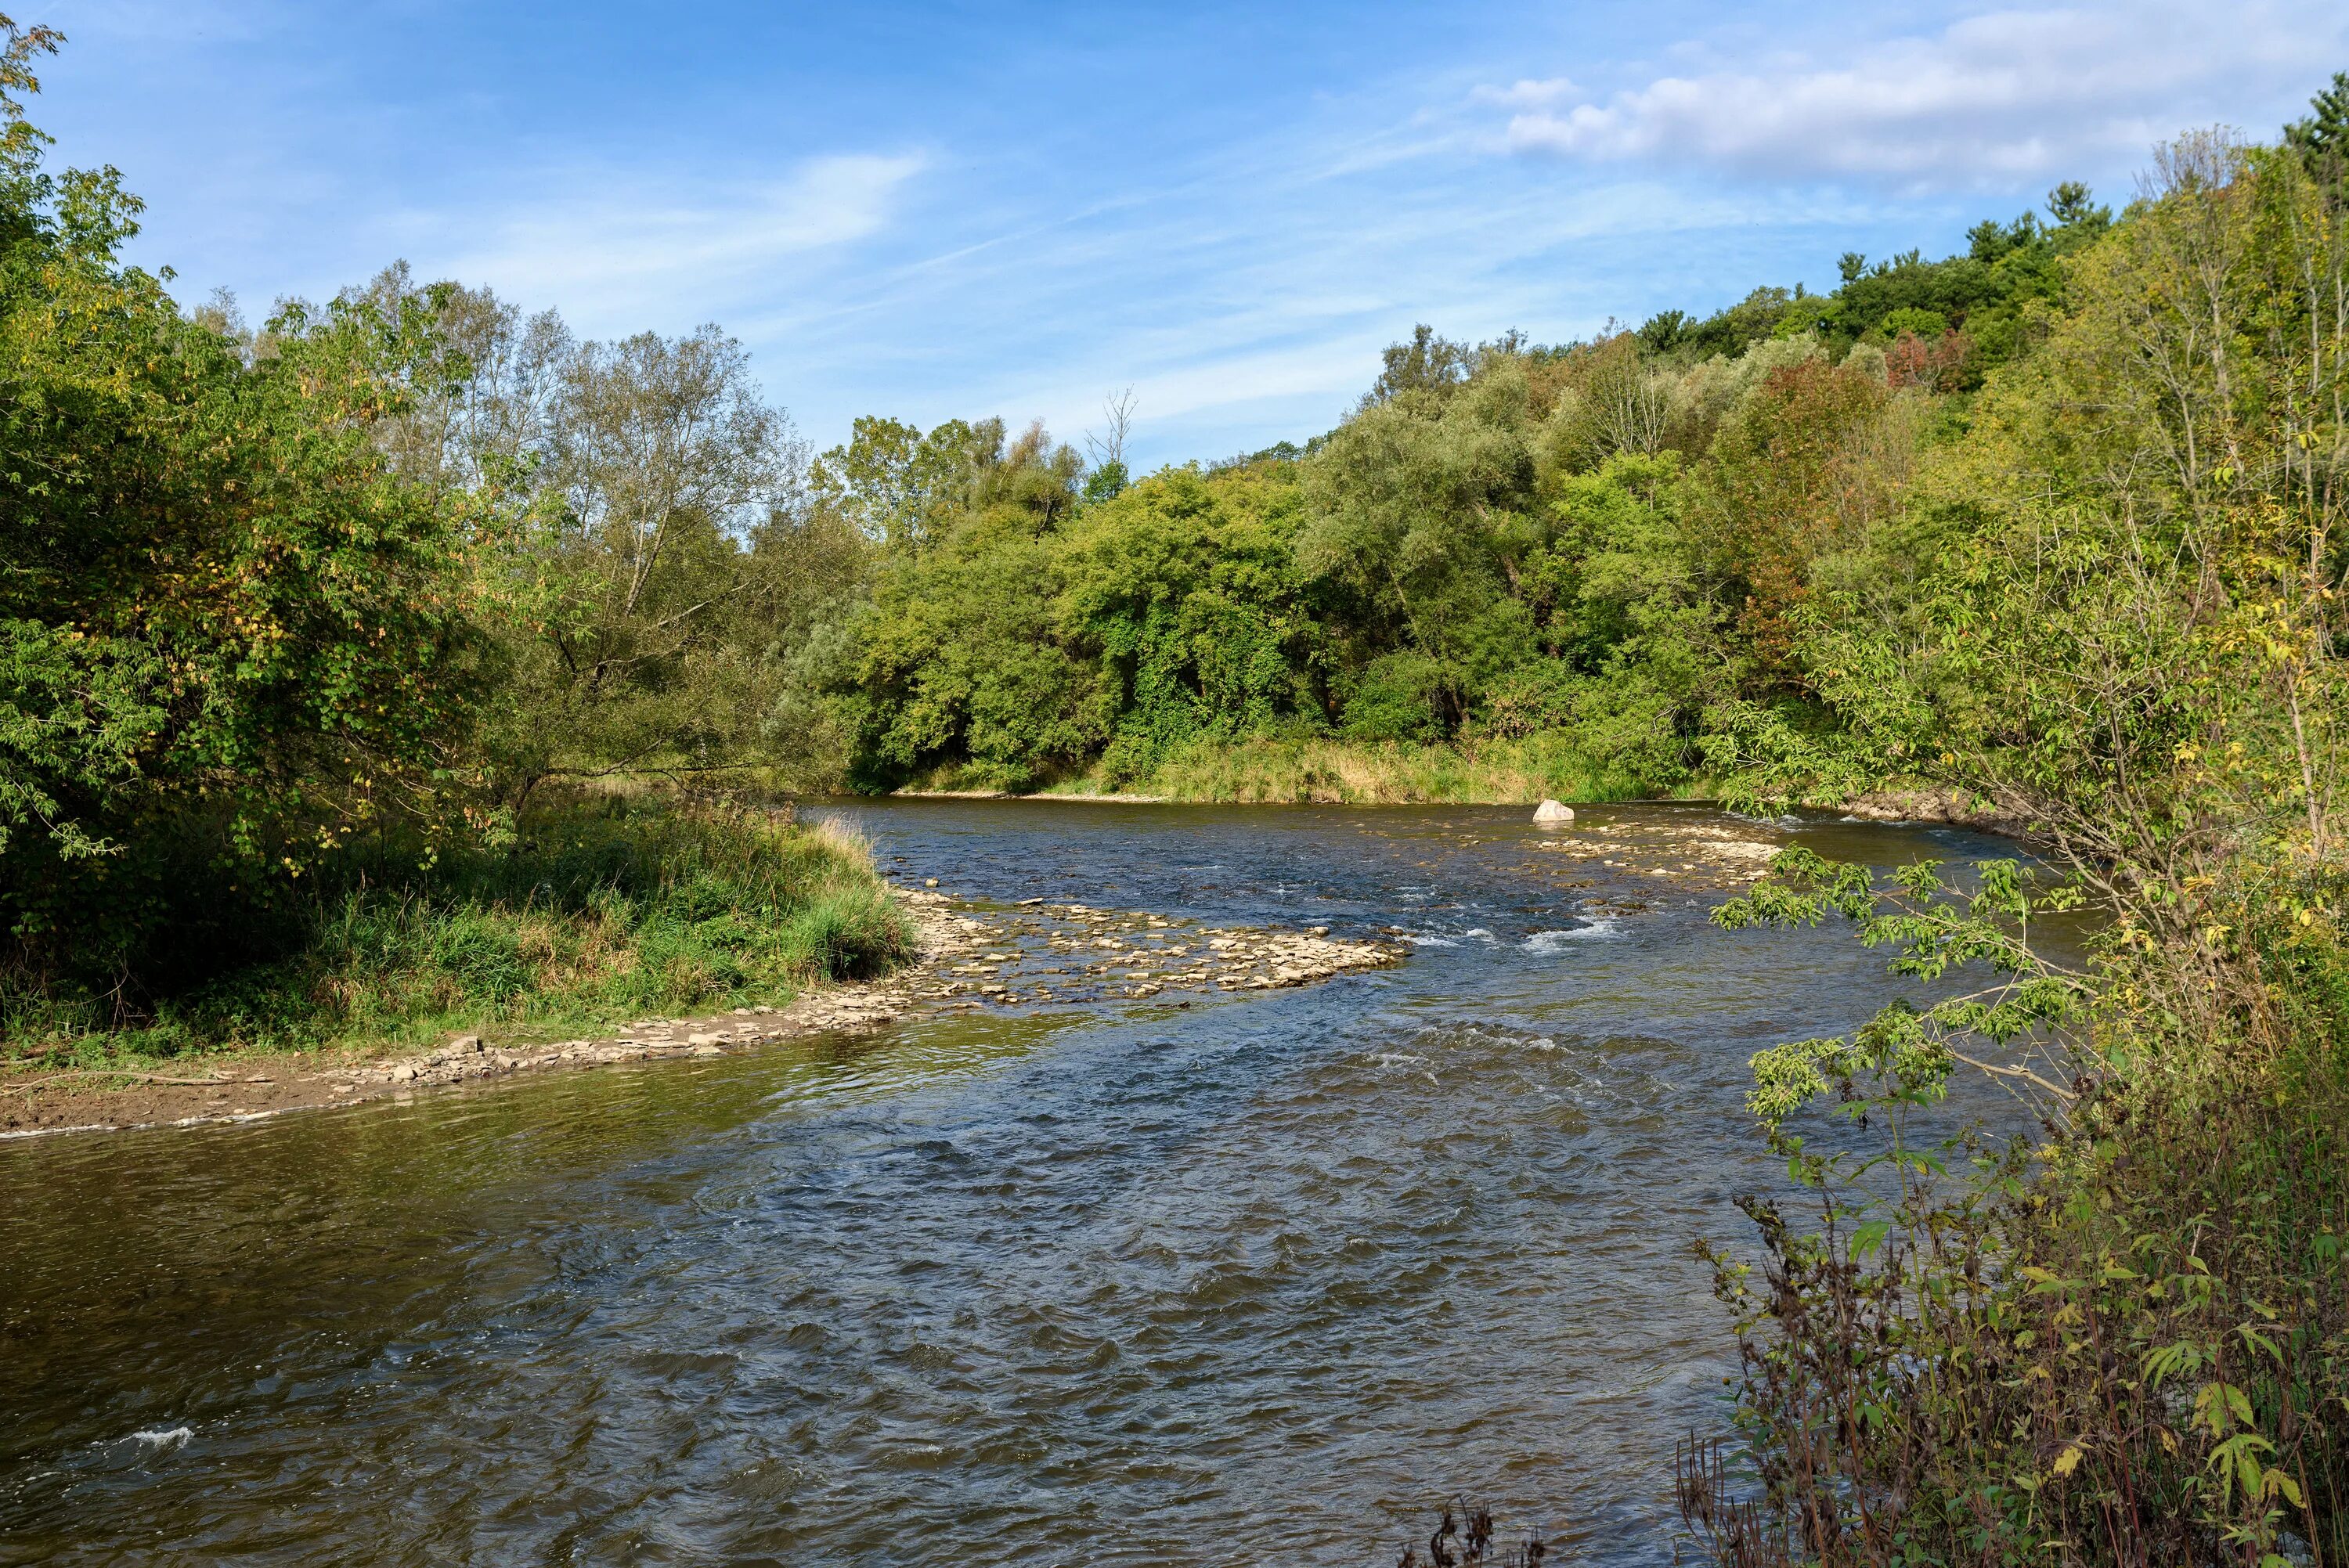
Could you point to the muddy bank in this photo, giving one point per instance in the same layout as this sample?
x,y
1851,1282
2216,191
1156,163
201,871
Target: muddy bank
x,y
973,957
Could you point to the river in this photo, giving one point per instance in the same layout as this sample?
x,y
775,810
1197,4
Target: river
x,y
1263,1278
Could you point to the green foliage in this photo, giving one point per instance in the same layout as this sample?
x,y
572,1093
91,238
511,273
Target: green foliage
x,y
2123,1344
2322,137
1620,542
904,488
602,910
370,575
224,618
1183,592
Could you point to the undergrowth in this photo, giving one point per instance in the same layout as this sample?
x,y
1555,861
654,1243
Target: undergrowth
x,y
600,912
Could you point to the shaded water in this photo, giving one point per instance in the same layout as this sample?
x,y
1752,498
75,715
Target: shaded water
x,y
1272,1272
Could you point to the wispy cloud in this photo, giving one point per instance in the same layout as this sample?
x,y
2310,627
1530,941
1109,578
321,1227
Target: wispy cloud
x,y
1528,94
611,247
985,215
1985,102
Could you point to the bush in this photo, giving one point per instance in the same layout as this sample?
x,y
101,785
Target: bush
x,y
603,911
1396,699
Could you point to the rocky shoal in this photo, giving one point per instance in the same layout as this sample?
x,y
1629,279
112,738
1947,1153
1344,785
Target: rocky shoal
x,y
974,957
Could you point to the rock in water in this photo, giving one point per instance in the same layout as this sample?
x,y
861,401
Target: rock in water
x,y
1552,812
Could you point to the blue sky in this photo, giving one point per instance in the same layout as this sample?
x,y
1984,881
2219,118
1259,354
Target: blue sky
x,y
936,210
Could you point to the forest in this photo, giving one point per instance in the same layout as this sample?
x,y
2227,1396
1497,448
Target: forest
x,y
1591,559
404,660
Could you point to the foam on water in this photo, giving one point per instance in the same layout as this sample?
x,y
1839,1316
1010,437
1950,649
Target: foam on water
x,y
1599,929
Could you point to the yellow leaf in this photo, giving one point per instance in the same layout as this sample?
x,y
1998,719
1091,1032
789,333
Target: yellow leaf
x,y
2067,1462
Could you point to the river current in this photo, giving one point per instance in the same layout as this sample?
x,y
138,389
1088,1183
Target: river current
x,y
1263,1278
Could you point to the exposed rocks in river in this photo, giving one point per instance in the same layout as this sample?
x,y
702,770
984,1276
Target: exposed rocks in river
x,y
974,957
1692,854
1954,807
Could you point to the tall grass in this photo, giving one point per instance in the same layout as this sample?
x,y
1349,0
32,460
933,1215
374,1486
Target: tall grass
x,y
1491,771
602,912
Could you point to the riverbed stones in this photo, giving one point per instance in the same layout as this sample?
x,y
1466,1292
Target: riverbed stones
x,y
1550,811
1696,854
975,958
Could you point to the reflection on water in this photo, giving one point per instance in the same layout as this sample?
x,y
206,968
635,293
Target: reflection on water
x,y
1139,1285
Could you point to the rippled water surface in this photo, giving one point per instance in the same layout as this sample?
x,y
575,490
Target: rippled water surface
x,y
1274,1272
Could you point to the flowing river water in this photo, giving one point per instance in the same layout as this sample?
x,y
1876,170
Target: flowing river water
x,y
1261,1278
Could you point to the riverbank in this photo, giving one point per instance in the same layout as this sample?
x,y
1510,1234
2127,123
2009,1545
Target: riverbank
x,y
597,910
1332,772
966,958
1488,773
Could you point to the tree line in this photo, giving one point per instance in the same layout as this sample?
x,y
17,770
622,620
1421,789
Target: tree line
x,y
1606,542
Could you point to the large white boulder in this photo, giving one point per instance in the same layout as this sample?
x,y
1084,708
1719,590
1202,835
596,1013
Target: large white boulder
x,y
1553,811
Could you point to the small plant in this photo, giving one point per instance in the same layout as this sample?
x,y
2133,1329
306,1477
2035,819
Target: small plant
x,y
1465,1536
2126,1343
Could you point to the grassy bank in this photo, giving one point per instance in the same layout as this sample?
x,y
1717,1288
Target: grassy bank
x,y
1343,772
602,912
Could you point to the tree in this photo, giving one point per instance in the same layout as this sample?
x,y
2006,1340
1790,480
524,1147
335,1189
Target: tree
x,y
1109,475
904,488
2322,137
1425,364
1662,332
637,557
2072,206
230,634
1793,474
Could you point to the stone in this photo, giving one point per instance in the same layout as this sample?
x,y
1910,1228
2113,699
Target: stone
x,y
700,1038
466,1042
1553,811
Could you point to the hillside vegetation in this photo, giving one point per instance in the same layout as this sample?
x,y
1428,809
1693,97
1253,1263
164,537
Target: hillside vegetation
x,y
1611,545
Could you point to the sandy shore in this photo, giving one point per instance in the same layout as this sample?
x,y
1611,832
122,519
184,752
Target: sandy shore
x,y
973,958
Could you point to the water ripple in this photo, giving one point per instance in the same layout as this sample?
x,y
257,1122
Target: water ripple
x,y
1266,1277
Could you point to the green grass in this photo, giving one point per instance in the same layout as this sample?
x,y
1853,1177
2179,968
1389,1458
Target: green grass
x,y
603,912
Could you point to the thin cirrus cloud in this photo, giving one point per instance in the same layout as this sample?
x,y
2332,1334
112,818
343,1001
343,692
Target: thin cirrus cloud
x,y
603,252
1987,102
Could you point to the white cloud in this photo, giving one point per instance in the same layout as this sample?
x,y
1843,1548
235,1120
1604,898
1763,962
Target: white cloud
x,y
1988,101
1527,93
610,248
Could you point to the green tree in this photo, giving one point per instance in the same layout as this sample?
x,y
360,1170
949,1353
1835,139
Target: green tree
x,y
227,628
1185,588
2322,135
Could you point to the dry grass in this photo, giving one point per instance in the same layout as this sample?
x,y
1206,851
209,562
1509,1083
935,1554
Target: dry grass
x,y
1337,773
